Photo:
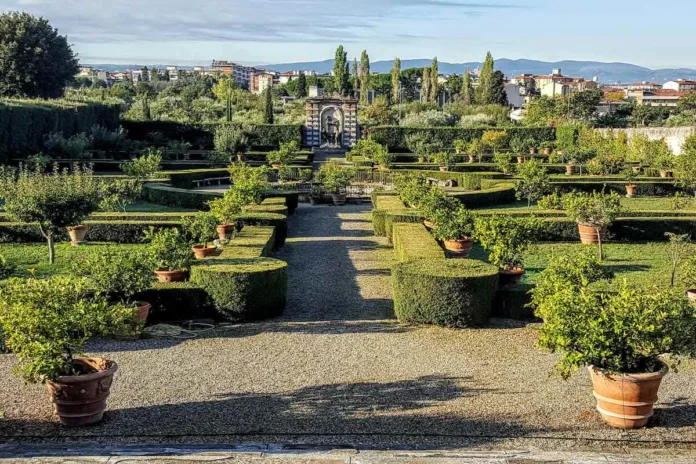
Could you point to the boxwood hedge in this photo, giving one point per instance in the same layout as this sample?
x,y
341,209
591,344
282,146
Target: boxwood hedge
x,y
446,292
413,241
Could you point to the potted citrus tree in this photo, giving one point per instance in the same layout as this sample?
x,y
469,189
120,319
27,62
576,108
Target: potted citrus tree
x,y
460,147
46,323
225,211
170,254
630,175
547,146
335,179
201,228
443,160
518,147
507,239
531,143
621,336
475,150
454,226
593,212
283,156
664,163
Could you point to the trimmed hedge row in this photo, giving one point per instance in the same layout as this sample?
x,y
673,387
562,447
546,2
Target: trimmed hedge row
x,y
394,137
445,292
391,218
186,179
383,204
261,136
498,194
413,241
464,180
97,231
634,229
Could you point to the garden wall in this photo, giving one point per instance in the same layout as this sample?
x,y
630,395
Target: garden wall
x,y
674,136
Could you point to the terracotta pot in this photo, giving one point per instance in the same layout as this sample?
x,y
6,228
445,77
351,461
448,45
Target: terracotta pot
x,y
202,251
588,234
225,231
444,168
459,248
472,158
665,173
532,150
510,275
240,158
547,151
339,199
275,165
569,169
421,159
77,234
520,159
142,311
630,191
81,399
636,169
626,400
691,293
171,276
430,225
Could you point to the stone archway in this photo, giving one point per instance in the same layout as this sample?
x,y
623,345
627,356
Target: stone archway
x,y
331,126
332,122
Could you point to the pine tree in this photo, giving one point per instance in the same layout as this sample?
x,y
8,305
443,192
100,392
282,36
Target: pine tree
x,y
356,77
364,78
485,80
425,85
434,83
268,107
466,95
340,71
302,86
396,80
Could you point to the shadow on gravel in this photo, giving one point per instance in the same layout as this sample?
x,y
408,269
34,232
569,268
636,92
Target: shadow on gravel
x,y
677,413
392,409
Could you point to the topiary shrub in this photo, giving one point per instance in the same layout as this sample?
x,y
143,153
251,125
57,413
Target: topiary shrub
x,y
451,293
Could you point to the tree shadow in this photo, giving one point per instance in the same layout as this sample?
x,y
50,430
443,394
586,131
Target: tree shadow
x,y
680,412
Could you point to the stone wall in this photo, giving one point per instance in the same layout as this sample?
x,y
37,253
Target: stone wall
x,y
674,136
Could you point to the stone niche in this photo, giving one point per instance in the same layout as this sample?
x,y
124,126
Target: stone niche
x,y
332,122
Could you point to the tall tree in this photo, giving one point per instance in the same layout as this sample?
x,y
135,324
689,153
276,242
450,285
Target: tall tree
x,y
302,86
467,93
425,85
356,77
497,92
434,82
34,60
485,81
364,77
268,107
340,71
396,80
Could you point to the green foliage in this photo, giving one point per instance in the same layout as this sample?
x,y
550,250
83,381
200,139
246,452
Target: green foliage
x,y
268,106
334,177
340,72
686,164
6,268
624,332
452,220
680,201
443,158
503,161
460,146
119,193
371,150
594,209
551,201
446,292
284,155
507,238
230,140
201,228
74,147
35,61
484,91
248,184
169,250
225,209
413,188
103,139
47,322
423,144
428,118
534,181
145,166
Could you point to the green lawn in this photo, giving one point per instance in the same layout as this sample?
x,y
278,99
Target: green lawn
x,y
643,264
33,258
143,207
630,204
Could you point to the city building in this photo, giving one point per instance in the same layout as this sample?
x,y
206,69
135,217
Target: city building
x,y
259,81
241,74
680,85
664,97
634,86
516,96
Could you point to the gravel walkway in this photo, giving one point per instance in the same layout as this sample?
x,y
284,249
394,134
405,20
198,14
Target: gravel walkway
x,y
337,369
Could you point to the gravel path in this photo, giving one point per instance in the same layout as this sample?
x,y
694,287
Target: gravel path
x,y
337,369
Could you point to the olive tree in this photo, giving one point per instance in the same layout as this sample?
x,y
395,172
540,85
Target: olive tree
x,y
53,201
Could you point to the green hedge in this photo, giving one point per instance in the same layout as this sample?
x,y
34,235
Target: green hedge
x,y
634,229
261,136
24,124
413,241
446,292
382,204
97,231
161,194
394,137
186,179
499,194
464,180
391,218
261,219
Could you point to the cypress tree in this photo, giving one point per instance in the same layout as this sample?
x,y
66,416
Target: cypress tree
x,y
434,83
340,71
485,80
356,77
396,80
302,86
364,77
268,107
425,85
498,95
467,93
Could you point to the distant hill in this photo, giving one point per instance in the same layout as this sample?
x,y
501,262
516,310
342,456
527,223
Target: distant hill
x,y
606,72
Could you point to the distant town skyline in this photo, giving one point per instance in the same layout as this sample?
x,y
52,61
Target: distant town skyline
x,y
282,31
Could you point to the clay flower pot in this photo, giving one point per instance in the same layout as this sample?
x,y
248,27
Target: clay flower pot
x,y
691,294
430,225
510,275
339,199
202,251
171,276
77,234
81,399
444,168
472,158
569,169
421,159
626,400
520,159
142,311
665,173
589,236
532,150
636,169
459,248
630,190
547,151
275,165
225,231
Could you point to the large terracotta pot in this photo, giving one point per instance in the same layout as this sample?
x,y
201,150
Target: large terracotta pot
x,y
547,151
77,234
569,169
459,248
142,311
636,169
532,150
510,275
225,231
691,294
588,234
626,400
472,158
202,251
520,159
443,168
630,190
171,276
339,199
666,173
430,225
81,399
275,165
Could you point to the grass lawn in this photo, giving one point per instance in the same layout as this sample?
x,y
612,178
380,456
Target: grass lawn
x,y
629,204
153,208
33,257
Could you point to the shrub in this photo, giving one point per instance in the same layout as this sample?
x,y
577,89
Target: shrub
x,y
423,144
412,241
412,187
452,293
103,139
144,166
594,209
494,140
47,322
74,147
476,148
230,140
507,238
201,228
534,181
6,268
249,184
686,165
518,146
452,220
443,158
551,201
117,194
427,118
169,250
284,155
460,146
503,162
334,177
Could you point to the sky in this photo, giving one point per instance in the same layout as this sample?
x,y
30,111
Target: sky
x,y
188,32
